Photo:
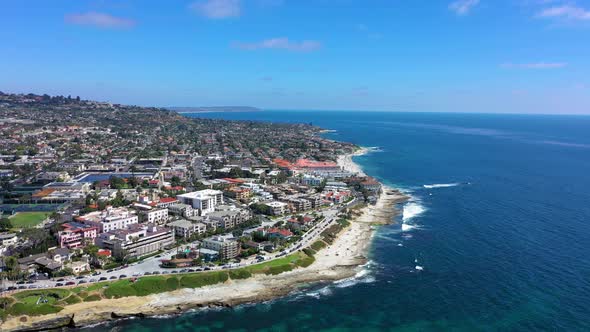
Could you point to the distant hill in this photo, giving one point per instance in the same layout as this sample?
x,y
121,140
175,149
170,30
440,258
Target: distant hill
x,y
214,109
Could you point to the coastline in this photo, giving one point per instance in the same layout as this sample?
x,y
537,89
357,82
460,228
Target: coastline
x,y
340,260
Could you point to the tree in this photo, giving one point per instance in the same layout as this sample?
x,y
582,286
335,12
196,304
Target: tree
x,y
5,224
175,181
91,250
236,172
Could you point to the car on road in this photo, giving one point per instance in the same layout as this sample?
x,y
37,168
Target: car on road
x,y
174,271
82,282
183,271
102,278
96,273
22,287
122,276
20,282
61,279
156,272
69,283
79,277
113,277
59,284
147,273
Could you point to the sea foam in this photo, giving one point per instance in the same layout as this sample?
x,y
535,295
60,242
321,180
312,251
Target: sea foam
x,y
440,185
411,210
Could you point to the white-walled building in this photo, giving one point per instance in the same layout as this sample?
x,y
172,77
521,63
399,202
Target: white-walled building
x,y
278,208
204,201
110,219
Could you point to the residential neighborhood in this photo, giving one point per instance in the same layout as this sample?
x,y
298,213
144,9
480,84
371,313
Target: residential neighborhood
x,y
84,190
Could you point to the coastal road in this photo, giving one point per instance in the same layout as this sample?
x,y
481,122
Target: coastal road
x,y
152,264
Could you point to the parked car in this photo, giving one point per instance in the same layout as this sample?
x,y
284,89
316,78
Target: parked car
x,y
122,276
59,284
102,278
156,272
69,283
81,282
113,277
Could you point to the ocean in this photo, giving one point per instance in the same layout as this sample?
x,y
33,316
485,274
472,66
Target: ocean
x,y
496,236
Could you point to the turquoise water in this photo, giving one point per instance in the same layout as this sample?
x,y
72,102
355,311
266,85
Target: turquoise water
x,y
498,240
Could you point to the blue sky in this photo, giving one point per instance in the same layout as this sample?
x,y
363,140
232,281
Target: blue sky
x,y
523,56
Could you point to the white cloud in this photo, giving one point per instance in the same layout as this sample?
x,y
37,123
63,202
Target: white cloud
x,y
569,12
463,7
100,20
282,43
217,9
535,65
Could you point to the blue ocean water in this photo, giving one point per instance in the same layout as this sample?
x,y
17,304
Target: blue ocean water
x,y
496,236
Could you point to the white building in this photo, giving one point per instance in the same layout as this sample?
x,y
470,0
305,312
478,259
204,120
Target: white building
x,y
110,219
155,216
278,208
186,228
204,201
183,210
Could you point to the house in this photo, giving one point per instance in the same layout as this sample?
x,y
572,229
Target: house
x,y
166,202
79,266
278,233
371,185
60,255
8,239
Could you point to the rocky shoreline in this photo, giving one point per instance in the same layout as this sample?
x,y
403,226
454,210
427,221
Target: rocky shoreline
x,y
341,259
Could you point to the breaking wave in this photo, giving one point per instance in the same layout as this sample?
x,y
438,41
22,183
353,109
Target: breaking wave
x,y
440,185
411,210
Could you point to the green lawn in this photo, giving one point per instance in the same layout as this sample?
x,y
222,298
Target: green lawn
x,y
25,302
27,219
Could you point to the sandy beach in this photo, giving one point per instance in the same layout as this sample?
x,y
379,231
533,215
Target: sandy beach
x,y
342,259
345,161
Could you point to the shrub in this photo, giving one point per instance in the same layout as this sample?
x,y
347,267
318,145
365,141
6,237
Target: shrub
x,y
121,288
240,274
278,269
172,283
92,298
18,309
204,279
309,252
150,285
305,262
318,245
73,299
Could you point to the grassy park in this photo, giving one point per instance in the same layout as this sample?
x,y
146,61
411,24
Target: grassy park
x,y
27,219
46,301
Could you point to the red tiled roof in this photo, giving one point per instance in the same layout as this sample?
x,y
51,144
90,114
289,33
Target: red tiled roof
x,y
305,163
168,200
